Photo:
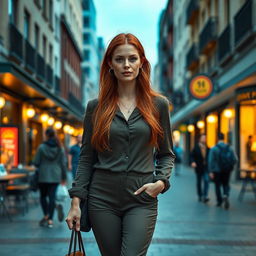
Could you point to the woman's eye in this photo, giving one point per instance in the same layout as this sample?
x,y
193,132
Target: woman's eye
x,y
119,59
133,59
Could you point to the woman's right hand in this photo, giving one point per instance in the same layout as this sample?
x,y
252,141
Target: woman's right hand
x,y
74,215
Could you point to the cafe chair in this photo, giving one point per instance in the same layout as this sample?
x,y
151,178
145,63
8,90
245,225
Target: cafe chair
x,y
20,189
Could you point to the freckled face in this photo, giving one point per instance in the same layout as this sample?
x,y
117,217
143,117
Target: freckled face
x,y
126,63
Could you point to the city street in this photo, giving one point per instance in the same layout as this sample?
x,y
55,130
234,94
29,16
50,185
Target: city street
x,y
185,227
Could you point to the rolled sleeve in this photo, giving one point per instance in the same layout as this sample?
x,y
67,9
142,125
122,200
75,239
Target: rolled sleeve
x,y
164,154
87,158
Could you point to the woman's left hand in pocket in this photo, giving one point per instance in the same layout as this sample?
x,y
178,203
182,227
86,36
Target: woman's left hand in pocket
x,y
153,189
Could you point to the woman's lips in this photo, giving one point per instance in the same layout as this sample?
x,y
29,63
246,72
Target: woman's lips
x,y
127,73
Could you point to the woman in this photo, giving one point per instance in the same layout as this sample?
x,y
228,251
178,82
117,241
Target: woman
x,y
122,129
50,160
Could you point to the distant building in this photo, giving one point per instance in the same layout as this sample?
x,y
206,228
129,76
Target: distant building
x,y
165,51
90,65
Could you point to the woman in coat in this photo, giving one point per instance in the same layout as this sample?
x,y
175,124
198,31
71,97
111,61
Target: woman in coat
x,y
50,160
123,129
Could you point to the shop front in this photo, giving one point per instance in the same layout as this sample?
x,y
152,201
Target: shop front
x,y
246,108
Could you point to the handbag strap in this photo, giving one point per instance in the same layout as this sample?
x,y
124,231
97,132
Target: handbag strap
x,y
78,237
71,242
80,242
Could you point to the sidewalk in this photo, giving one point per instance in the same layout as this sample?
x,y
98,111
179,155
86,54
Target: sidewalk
x,y
185,227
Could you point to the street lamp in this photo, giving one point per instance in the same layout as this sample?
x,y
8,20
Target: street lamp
x,y
51,121
200,124
57,125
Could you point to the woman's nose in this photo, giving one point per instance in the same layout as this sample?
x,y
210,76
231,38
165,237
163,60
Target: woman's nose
x,y
126,63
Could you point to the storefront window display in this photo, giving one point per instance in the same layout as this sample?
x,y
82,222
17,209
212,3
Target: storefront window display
x,y
248,135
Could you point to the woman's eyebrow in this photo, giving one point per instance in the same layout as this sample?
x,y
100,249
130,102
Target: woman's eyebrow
x,y
132,55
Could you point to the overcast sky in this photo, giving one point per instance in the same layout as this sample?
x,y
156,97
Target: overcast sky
x,y
140,17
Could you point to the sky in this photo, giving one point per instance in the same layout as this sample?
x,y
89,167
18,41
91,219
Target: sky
x,y
140,17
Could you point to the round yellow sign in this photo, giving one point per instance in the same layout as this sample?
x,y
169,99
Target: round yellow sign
x,y
201,87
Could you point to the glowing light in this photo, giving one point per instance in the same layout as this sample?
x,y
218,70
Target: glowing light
x,y
228,113
50,121
200,124
71,130
2,102
44,117
66,128
211,119
191,127
30,112
57,125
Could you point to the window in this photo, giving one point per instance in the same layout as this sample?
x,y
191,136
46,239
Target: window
x,y
57,27
248,135
44,8
26,25
50,55
86,22
86,5
86,55
56,65
51,12
44,46
37,37
86,38
12,11
87,72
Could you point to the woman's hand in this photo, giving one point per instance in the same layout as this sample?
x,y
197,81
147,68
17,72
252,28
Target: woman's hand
x,y
74,214
153,189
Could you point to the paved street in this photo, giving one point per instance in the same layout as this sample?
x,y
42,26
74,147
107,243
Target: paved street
x,y
185,227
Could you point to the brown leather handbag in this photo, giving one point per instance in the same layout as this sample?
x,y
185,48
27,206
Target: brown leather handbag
x,y
76,237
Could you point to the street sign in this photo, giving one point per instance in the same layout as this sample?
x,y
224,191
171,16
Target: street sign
x,y
201,87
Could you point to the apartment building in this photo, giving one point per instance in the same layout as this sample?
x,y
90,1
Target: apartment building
x,y
221,46
40,74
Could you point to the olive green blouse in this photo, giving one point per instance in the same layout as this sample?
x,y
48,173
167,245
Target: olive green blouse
x,y
130,148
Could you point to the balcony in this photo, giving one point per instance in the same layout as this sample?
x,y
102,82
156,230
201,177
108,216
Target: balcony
x,y
243,21
40,67
208,36
30,55
192,57
192,10
16,42
49,76
224,45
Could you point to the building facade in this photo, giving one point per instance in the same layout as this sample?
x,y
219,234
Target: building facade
x,y
221,46
90,64
40,75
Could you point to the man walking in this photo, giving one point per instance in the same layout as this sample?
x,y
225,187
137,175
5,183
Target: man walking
x,y
199,162
222,160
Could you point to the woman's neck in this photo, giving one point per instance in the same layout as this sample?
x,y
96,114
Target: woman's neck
x,y
127,90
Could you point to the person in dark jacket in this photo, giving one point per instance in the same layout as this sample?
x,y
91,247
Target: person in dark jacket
x,y
127,154
217,173
199,157
50,160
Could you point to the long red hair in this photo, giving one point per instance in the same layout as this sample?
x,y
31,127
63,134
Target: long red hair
x,y
108,96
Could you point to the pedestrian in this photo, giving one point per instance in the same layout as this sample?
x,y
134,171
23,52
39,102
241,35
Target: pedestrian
x,y
222,160
178,160
198,160
73,156
123,130
50,160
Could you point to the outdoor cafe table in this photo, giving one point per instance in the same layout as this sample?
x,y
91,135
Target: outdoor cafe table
x,y
3,183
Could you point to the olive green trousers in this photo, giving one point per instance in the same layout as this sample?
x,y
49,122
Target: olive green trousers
x,y
122,223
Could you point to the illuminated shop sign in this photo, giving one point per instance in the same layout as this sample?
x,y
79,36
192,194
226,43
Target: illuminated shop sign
x,y
9,146
248,93
201,87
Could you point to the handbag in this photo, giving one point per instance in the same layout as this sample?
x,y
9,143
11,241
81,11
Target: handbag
x,y
85,224
76,237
